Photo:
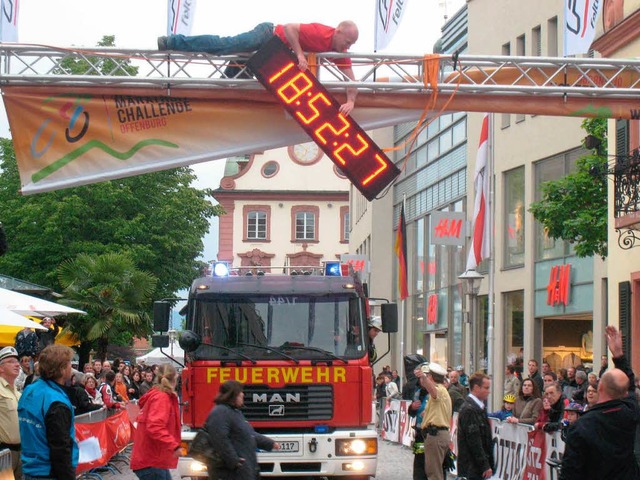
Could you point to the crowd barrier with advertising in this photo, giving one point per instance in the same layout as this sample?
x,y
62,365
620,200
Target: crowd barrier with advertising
x,y
520,451
101,436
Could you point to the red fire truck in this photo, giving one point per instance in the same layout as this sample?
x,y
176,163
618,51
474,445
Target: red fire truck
x,y
299,344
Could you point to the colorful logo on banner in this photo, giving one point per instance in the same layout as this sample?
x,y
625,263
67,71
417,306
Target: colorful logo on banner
x,y
559,285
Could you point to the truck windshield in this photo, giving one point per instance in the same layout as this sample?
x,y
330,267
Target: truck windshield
x,y
266,326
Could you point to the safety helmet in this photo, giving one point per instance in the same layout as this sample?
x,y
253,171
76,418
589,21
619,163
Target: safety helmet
x,y
574,407
375,322
459,368
509,397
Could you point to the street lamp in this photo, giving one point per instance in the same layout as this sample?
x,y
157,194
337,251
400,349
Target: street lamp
x,y
173,335
471,281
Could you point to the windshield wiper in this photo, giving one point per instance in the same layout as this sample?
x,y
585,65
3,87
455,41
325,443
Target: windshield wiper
x,y
269,349
231,350
315,349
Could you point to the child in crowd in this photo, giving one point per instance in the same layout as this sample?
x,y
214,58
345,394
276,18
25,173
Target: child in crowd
x,y
507,408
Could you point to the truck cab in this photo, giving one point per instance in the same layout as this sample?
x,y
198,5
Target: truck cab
x,y
299,344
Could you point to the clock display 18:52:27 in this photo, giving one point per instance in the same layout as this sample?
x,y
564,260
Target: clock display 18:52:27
x,y
317,112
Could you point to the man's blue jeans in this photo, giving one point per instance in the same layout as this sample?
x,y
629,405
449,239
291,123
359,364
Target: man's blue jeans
x,y
241,43
152,473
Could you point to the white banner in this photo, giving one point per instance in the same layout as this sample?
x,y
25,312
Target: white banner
x,y
580,20
388,16
9,22
180,16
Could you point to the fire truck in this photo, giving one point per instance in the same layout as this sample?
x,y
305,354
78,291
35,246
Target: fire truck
x,y
298,341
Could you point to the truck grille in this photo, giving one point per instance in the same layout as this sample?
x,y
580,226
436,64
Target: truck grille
x,y
291,403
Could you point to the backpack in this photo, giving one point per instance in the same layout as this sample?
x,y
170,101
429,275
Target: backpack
x,y
27,343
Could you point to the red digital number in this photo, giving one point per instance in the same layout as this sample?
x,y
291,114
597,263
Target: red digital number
x,y
316,112
383,167
295,87
354,153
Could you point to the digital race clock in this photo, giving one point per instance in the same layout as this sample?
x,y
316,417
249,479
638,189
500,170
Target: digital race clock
x,y
317,112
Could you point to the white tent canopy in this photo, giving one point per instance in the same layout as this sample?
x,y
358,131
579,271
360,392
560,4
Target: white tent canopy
x,y
155,356
34,306
12,319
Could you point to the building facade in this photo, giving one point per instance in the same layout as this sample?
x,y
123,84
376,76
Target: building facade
x,y
284,207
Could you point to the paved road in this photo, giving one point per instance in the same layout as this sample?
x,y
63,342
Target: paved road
x,y
395,462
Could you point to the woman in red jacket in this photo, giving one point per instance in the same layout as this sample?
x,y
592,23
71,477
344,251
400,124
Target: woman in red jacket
x,y
156,445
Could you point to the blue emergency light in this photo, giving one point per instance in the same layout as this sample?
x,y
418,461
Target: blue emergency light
x,y
220,269
332,269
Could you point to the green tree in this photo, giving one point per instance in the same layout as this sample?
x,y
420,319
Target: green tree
x,y
113,292
574,208
158,219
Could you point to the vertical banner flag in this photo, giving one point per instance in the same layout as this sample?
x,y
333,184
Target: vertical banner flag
x,y
580,20
479,248
401,252
9,22
180,16
388,16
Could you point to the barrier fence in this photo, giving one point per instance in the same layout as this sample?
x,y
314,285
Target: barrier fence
x,y
520,451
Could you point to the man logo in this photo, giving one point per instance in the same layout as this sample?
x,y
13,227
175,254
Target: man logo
x,y
276,410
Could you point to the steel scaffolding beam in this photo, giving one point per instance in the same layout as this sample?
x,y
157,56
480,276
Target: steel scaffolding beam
x,y
34,65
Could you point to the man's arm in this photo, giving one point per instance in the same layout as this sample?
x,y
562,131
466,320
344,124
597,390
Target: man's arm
x,y
427,382
352,92
614,342
292,33
57,422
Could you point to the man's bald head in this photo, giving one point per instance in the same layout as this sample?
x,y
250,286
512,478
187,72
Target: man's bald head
x,y
345,36
613,385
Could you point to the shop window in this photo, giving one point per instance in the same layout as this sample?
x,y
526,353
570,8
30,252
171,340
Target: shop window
x,y
513,237
514,328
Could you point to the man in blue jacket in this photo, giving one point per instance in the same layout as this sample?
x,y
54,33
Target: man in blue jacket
x,y
600,444
45,415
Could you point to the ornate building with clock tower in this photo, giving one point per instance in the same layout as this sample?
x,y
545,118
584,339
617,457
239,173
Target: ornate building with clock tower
x,y
284,207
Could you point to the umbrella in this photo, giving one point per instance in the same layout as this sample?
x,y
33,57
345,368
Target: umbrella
x,y
28,305
12,319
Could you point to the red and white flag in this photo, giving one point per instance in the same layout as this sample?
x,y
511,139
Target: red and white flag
x,y
180,16
580,22
479,249
388,16
9,21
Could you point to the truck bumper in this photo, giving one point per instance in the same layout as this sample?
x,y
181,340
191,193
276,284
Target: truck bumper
x,y
316,455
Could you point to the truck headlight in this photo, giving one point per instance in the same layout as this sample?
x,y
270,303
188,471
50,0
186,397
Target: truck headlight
x,y
197,466
356,446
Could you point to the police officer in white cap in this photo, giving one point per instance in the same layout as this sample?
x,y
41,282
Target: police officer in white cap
x,y
375,327
9,396
436,420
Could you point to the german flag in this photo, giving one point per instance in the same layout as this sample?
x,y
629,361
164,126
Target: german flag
x,y
401,252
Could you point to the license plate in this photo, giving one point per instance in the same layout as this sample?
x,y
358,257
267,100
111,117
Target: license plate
x,y
289,446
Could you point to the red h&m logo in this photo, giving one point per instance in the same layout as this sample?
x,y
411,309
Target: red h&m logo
x,y
558,287
432,309
448,228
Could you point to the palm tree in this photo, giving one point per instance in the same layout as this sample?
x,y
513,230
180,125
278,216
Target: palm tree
x,y
115,294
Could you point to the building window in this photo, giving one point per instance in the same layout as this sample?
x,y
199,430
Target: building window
x,y
344,224
514,327
256,221
513,237
553,168
304,223
270,169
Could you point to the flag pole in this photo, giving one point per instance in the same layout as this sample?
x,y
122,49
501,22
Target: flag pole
x,y
402,304
492,263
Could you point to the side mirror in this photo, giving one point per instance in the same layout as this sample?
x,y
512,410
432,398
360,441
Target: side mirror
x,y
160,341
161,314
389,314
